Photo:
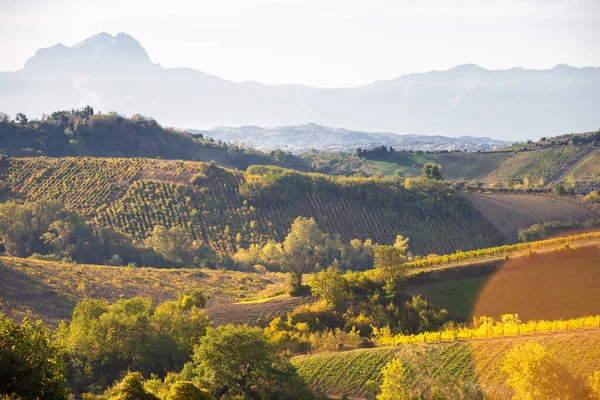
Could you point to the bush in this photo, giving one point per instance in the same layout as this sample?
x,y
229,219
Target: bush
x,y
318,316
130,388
593,197
185,390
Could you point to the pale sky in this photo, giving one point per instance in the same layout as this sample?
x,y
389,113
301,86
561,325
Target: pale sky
x,y
316,42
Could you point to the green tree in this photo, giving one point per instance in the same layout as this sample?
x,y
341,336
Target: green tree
x,y
534,374
31,365
104,340
559,190
357,256
241,361
329,285
389,261
394,386
175,244
303,249
22,118
432,171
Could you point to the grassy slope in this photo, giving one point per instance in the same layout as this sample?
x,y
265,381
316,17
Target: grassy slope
x,y
134,195
475,362
50,290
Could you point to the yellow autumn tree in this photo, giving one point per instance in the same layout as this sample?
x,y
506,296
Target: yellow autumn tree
x,y
534,374
394,386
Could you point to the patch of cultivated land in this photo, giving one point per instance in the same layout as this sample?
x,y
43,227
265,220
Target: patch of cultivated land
x,y
587,170
473,362
535,165
468,166
511,212
50,290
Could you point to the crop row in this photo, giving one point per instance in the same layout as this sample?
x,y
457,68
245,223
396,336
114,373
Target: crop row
x,y
490,329
588,170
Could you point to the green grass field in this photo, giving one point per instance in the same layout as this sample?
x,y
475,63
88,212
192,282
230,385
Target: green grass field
x,y
386,168
477,362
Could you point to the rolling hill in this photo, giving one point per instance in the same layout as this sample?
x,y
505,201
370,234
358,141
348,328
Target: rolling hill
x,y
303,138
538,165
219,208
228,209
50,290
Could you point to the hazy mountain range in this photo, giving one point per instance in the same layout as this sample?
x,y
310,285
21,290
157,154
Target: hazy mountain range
x,y
301,138
115,73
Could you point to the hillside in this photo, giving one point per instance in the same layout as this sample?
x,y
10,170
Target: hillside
x,y
50,290
221,209
85,133
511,212
463,100
544,165
476,362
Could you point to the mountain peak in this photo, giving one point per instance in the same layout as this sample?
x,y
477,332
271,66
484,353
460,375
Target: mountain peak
x,y
103,41
102,50
467,68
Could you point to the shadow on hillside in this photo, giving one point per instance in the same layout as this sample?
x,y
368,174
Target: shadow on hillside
x,y
557,285
20,292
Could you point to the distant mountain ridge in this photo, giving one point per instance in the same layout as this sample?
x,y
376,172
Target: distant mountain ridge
x,y
116,73
305,137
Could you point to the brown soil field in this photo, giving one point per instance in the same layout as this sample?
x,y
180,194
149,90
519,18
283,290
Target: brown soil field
x,y
511,212
258,313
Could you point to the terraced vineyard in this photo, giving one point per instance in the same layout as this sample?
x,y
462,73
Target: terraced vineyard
x,y
533,165
134,195
477,362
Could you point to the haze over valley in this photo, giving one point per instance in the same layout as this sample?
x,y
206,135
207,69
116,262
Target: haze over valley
x,y
116,73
